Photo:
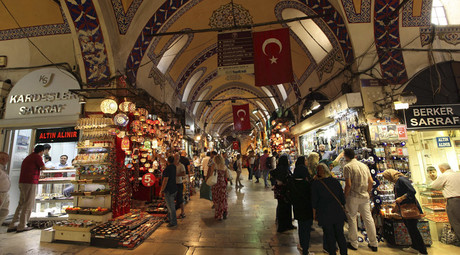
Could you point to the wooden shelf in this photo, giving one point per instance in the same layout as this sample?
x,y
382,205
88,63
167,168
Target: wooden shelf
x,y
50,181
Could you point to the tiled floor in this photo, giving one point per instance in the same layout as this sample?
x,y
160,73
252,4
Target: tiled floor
x,y
249,230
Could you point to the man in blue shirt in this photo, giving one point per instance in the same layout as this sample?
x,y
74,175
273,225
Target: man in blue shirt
x,y
329,155
169,190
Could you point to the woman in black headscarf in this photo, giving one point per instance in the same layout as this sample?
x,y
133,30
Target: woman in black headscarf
x,y
301,169
284,209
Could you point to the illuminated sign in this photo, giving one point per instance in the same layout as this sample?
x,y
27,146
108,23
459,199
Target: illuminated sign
x,y
55,135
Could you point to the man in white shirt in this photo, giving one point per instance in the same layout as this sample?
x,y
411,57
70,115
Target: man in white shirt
x,y
449,183
4,187
204,164
358,184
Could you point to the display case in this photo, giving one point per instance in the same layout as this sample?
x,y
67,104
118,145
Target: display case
x,y
434,207
91,186
51,199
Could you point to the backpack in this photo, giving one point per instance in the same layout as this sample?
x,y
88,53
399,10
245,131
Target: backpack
x,y
268,163
235,165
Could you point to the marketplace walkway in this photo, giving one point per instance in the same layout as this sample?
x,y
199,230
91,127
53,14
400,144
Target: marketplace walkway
x,y
249,230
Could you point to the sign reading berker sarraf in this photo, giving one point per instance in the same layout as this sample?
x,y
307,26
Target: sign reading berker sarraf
x,y
433,116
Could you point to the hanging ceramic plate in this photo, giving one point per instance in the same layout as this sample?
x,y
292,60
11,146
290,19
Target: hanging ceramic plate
x,y
121,119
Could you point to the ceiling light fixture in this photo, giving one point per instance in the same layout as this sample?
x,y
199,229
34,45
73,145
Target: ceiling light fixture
x,y
315,105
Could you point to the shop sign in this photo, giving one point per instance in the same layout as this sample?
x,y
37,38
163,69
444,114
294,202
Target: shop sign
x,y
56,135
235,53
148,179
432,116
43,92
443,142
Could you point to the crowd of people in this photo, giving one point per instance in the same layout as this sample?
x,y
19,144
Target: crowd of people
x,y
308,191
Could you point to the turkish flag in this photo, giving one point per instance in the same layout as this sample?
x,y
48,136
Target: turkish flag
x,y
241,119
236,146
272,57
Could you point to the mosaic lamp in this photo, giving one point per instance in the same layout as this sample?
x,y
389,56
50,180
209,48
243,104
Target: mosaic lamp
x,y
109,106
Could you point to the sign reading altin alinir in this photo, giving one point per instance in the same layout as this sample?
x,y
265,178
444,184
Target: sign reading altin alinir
x,y
433,116
43,92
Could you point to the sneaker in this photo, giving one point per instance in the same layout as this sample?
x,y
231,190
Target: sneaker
x,y
410,250
373,248
25,229
349,246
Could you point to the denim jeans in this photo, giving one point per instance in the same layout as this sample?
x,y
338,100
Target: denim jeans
x,y
304,234
265,175
169,199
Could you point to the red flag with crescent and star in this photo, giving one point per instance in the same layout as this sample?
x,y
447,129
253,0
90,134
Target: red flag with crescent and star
x,y
241,119
272,57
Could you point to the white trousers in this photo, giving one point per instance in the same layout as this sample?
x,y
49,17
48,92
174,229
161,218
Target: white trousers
x,y
361,205
4,204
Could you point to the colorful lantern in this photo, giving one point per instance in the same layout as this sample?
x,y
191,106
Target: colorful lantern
x,y
109,106
125,143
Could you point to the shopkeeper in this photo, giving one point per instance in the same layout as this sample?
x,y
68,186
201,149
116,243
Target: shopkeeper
x,y
329,155
449,182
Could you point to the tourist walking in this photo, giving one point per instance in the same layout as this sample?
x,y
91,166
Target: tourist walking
x,y
405,194
239,169
449,183
257,168
180,179
169,190
358,185
328,201
284,208
264,167
219,190
251,162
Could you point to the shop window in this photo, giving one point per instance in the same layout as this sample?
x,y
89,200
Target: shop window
x,y
309,33
191,82
438,13
171,53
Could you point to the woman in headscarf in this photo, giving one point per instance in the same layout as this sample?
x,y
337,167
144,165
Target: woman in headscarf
x,y
299,190
328,202
405,194
284,209
301,170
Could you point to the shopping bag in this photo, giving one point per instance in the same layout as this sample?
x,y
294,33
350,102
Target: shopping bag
x,y
229,173
205,192
447,235
409,211
212,180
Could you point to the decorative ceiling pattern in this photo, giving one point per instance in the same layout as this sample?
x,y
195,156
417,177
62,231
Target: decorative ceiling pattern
x,y
143,41
229,15
123,17
386,34
91,40
417,13
357,11
450,35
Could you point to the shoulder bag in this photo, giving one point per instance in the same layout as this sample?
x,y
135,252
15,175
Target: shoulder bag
x,y
212,180
332,193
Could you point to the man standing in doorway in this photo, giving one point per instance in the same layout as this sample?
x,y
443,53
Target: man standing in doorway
x,y
169,190
28,180
449,183
4,187
358,184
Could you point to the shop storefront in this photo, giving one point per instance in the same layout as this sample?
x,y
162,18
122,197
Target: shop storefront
x,y
39,110
434,138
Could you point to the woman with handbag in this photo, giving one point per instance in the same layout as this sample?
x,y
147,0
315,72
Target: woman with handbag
x,y
409,208
219,189
284,208
328,203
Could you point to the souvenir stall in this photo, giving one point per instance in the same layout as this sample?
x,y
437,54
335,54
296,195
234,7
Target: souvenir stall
x,y
121,152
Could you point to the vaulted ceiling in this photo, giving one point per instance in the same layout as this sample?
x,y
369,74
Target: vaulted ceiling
x,y
112,37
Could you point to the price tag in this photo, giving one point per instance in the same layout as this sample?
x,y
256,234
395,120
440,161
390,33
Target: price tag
x,y
148,179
